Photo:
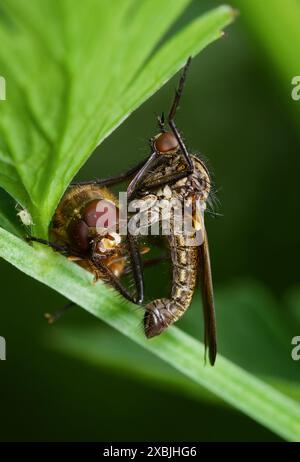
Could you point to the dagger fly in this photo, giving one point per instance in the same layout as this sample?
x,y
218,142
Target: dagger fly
x,y
173,175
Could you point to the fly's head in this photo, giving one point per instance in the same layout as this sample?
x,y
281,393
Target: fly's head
x,y
93,231
109,249
107,245
166,144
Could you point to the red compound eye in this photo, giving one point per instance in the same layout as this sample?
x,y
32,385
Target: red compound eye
x,y
78,233
166,142
101,214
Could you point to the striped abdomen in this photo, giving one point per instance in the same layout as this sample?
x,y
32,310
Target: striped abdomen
x,y
165,311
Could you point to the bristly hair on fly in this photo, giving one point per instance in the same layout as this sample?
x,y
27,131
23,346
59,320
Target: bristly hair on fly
x,y
213,201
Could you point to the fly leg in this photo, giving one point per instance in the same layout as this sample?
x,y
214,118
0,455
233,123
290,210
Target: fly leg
x,y
110,278
54,246
161,122
126,175
172,114
112,180
59,248
137,267
150,262
51,318
134,186
114,281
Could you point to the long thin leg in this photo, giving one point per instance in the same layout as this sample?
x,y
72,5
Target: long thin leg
x,y
167,179
141,174
51,318
148,263
113,280
186,154
179,90
172,114
164,179
149,164
137,267
135,255
54,246
114,179
59,248
161,122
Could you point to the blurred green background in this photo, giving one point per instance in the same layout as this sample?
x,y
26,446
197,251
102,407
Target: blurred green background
x,y
236,110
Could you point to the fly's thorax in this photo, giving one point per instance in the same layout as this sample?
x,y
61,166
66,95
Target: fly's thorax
x,y
170,166
176,207
143,214
156,210
197,184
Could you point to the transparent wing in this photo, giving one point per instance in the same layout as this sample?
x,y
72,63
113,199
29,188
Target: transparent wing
x,y
210,339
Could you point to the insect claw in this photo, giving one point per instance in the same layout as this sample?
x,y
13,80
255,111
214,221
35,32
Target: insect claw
x,y
74,258
50,318
138,301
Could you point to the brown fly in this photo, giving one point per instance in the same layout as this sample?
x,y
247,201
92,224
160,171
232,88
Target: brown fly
x,y
171,173
85,229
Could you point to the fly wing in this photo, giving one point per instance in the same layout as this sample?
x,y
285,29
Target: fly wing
x,y
210,339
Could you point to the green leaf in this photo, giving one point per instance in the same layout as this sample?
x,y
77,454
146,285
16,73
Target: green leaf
x,y
108,349
269,357
228,381
289,388
73,74
8,214
263,317
249,309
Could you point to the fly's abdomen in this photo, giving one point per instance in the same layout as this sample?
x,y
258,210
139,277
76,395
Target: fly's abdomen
x,y
165,311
